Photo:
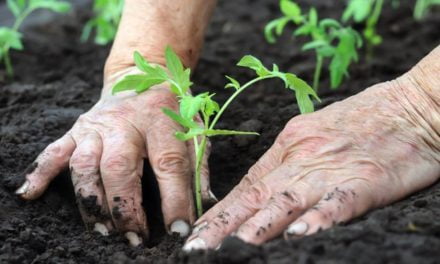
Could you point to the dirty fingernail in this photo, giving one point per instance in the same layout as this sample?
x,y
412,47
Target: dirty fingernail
x,y
199,227
194,244
23,189
133,239
298,229
181,227
101,228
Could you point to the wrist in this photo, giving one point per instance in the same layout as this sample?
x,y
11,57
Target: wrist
x,y
418,92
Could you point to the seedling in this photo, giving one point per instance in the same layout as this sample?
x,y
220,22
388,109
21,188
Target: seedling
x,y
190,106
328,38
10,37
422,7
368,12
105,22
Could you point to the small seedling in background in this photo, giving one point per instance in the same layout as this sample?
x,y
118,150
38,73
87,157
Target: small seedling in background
x,y
422,7
190,106
328,38
106,21
368,12
10,37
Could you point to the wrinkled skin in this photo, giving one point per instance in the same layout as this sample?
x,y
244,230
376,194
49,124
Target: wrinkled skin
x,y
330,166
105,150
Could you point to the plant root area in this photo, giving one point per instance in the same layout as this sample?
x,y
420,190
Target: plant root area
x,y
58,78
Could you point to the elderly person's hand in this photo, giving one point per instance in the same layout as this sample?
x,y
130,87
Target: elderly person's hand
x,y
106,147
335,164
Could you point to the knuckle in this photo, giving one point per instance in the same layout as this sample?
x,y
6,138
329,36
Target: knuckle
x,y
84,162
119,163
171,163
257,195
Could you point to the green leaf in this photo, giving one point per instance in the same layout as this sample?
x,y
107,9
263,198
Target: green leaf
x,y
255,64
137,82
10,38
222,132
14,7
210,106
187,123
303,30
190,106
313,17
314,45
358,10
329,23
179,74
290,9
303,91
232,83
276,25
53,5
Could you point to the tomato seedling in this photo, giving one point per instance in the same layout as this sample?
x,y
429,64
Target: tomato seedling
x,y
368,12
10,37
105,22
328,38
190,106
422,7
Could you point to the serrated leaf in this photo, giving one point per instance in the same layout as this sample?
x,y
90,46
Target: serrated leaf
x,y
255,64
187,123
210,106
190,106
303,91
276,26
14,7
233,83
136,82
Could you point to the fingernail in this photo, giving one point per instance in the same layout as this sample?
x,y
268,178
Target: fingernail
x,y
298,229
23,189
194,244
133,239
212,196
181,227
199,227
101,228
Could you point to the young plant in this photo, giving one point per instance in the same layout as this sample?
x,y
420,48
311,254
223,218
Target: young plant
x,y
106,21
328,38
190,106
368,12
10,37
422,7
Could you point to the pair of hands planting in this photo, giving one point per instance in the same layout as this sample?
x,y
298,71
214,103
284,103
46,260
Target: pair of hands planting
x,y
324,168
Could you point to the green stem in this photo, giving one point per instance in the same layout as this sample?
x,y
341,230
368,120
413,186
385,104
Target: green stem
x,y
317,74
201,148
371,24
8,64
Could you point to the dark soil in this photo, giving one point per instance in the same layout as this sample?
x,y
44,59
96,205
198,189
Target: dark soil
x,y
58,79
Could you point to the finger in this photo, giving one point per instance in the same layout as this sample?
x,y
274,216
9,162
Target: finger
x,y
86,179
170,160
267,163
47,165
121,171
337,206
283,208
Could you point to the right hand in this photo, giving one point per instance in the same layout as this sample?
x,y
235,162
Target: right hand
x,y
105,150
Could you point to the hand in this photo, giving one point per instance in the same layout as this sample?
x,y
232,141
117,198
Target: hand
x,y
330,166
105,150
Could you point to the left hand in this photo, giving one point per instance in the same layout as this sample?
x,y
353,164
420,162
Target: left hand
x,y
331,166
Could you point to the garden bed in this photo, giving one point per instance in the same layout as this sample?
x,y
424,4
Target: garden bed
x,y
58,78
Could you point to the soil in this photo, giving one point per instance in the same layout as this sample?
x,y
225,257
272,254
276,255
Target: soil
x,y
58,78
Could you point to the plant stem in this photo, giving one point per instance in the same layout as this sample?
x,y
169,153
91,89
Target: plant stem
x,y
8,64
201,148
317,74
371,24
